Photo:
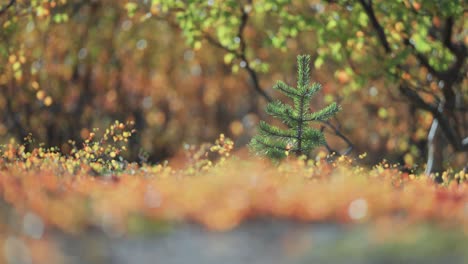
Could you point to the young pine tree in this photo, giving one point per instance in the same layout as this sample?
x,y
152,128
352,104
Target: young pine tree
x,y
299,138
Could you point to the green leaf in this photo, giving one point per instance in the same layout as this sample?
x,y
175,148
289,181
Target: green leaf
x,y
318,62
131,8
331,24
363,19
229,57
420,43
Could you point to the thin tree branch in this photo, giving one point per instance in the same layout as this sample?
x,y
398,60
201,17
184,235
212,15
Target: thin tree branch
x,y
447,34
458,144
368,8
218,44
338,133
5,8
241,54
423,60
329,149
252,73
243,24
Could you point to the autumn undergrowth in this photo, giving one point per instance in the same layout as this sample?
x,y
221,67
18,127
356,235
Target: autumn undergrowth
x,y
93,186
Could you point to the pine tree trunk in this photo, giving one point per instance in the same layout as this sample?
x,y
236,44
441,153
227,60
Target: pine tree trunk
x,y
435,150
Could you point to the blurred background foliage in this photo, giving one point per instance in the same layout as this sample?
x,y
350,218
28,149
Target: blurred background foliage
x,y
186,71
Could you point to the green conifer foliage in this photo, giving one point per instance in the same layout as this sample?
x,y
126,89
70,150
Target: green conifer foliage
x,y
299,137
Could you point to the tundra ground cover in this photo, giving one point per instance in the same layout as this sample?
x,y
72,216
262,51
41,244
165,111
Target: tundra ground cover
x,y
47,190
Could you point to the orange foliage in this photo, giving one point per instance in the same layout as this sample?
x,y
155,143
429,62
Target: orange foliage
x,y
220,196
50,191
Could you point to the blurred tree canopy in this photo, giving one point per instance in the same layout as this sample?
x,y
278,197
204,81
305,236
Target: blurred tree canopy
x,y
184,71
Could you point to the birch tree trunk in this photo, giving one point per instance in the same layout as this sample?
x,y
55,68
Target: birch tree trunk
x,y
435,150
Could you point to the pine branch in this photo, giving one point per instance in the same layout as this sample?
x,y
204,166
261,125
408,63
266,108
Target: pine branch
x,y
266,142
276,132
274,150
284,112
303,62
324,114
310,90
301,104
300,124
314,138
